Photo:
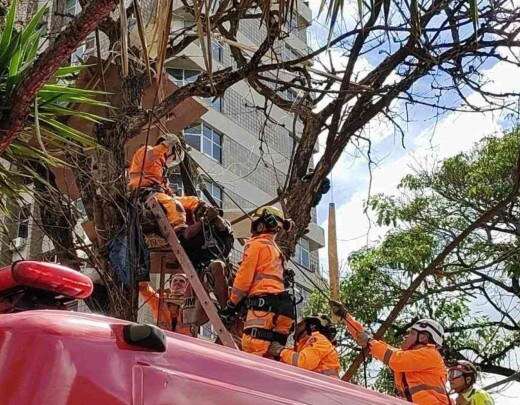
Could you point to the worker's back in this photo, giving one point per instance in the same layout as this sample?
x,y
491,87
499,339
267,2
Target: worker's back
x,y
58,357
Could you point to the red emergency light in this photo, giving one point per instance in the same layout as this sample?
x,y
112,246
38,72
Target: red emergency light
x,y
45,276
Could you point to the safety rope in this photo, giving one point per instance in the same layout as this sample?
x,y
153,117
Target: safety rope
x,y
302,270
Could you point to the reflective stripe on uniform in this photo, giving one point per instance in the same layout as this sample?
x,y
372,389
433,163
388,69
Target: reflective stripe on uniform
x,y
330,372
387,356
263,276
251,323
425,387
294,359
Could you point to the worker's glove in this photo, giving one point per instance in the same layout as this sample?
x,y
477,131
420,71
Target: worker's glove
x,y
363,338
211,213
229,312
338,309
288,278
275,349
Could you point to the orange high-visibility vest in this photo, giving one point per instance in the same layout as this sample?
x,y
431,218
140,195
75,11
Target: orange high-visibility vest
x,y
261,269
154,158
314,353
420,373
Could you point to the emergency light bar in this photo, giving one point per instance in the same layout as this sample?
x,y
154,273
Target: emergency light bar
x,y
45,276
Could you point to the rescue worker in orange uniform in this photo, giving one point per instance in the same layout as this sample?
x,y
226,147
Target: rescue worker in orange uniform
x,y
259,285
419,370
167,312
314,349
147,174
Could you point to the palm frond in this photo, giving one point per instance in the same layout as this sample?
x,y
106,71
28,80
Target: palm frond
x,y
46,134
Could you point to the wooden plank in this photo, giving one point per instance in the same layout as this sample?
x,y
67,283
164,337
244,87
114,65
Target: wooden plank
x,y
191,273
333,254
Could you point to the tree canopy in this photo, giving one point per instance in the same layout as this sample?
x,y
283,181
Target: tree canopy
x,y
475,293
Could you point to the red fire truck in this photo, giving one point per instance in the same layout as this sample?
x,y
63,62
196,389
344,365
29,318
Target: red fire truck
x,y
60,357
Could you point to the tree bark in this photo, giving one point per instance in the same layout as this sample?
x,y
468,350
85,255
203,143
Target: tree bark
x,y
56,217
45,67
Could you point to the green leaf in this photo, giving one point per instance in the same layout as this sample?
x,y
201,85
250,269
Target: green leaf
x,y
32,50
14,66
30,29
69,133
70,70
8,30
56,110
75,91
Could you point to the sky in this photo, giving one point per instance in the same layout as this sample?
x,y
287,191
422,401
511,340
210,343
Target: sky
x,y
426,142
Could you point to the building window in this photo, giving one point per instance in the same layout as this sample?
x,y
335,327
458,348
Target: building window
x,y
205,139
182,77
214,190
176,183
72,8
290,95
80,54
289,53
23,222
217,51
302,253
206,331
188,24
217,103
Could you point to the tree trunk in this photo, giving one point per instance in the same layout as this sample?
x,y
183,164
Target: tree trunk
x,y
56,216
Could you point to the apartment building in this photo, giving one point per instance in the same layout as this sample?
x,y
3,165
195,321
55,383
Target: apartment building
x,y
244,149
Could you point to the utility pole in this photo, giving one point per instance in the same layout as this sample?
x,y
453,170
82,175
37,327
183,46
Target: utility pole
x,y
333,254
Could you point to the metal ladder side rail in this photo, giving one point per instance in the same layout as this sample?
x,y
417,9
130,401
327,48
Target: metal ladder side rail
x,y
185,263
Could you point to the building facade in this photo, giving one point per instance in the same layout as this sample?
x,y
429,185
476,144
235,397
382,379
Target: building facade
x,y
244,148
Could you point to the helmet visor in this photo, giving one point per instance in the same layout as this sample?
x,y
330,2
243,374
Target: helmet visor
x,y
455,373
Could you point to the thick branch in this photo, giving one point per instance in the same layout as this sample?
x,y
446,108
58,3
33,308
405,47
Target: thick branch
x,y
46,65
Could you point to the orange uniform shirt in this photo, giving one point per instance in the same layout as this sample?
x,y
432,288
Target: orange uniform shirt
x,y
314,353
422,368
261,269
153,170
166,317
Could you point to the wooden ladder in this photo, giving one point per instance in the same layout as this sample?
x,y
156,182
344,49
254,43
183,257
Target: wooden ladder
x,y
209,307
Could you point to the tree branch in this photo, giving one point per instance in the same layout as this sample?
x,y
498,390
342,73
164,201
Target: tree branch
x,y
46,65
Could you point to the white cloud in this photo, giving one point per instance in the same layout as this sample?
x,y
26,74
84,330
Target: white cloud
x,y
454,133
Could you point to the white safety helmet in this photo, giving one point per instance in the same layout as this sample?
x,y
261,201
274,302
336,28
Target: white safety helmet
x,y
434,328
176,152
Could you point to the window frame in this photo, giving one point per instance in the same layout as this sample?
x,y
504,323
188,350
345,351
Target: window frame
x,y
302,250
23,221
204,140
185,80
218,48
